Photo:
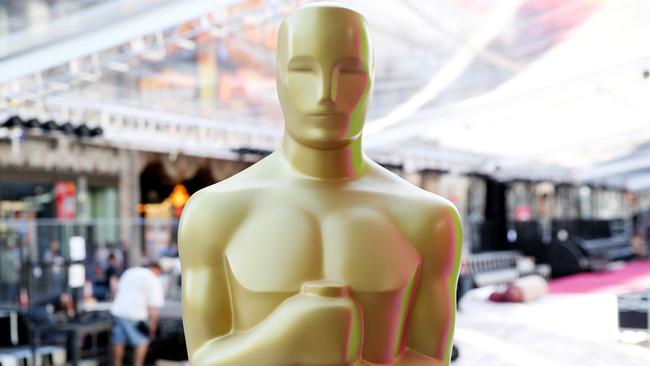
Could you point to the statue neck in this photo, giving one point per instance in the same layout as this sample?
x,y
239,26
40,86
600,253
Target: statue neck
x,y
347,162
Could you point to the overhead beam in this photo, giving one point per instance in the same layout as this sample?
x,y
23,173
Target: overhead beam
x,y
89,41
609,170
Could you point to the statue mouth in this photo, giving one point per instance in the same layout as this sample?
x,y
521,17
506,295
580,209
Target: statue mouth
x,y
328,114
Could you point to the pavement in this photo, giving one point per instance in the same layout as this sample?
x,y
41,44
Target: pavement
x,y
557,330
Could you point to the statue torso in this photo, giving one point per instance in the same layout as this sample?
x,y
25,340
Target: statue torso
x,y
293,234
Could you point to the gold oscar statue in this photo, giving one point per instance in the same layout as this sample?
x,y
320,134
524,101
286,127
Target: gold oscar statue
x,y
316,255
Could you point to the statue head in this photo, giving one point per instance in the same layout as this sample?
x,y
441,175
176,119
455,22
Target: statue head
x,y
325,71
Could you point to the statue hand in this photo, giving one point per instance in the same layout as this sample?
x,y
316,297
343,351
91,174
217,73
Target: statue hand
x,y
322,325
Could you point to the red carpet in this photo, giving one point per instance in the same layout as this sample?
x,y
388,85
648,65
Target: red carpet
x,y
634,276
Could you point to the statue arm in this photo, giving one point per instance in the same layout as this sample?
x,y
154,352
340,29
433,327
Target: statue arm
x,y
431,323
203,233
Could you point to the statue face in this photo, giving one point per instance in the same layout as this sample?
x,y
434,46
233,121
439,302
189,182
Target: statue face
x,y
324,75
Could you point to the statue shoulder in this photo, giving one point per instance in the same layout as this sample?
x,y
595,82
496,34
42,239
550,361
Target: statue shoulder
x,y
217,210
432,221
426,205
442,234
440,208
209,218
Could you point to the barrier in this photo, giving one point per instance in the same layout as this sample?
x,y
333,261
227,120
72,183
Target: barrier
x,y
497,268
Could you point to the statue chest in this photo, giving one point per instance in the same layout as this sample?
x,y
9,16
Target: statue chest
x,y
276,250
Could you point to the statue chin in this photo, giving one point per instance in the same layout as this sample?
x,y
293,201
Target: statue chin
x,y
323,143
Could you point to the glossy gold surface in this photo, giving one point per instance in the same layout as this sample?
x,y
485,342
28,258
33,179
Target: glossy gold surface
x,y
316,255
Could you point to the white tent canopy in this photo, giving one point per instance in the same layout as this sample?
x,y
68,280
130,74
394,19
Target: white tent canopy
x,y
545,88
582,104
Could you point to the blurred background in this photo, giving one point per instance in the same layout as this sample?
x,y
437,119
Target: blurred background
x,y
531,116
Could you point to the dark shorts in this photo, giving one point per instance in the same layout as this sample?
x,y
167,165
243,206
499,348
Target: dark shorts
x,y
125,331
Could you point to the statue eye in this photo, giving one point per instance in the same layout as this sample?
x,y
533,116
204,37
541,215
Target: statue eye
x,y
301,69
349,70
351,65
302,64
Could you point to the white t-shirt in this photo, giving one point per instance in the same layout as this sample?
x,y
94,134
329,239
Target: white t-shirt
x,y
137,291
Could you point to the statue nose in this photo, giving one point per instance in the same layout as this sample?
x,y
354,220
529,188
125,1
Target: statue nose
x,y
325,92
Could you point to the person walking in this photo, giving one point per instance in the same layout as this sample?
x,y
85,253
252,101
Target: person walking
x,y
135,311
9,272
55,268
